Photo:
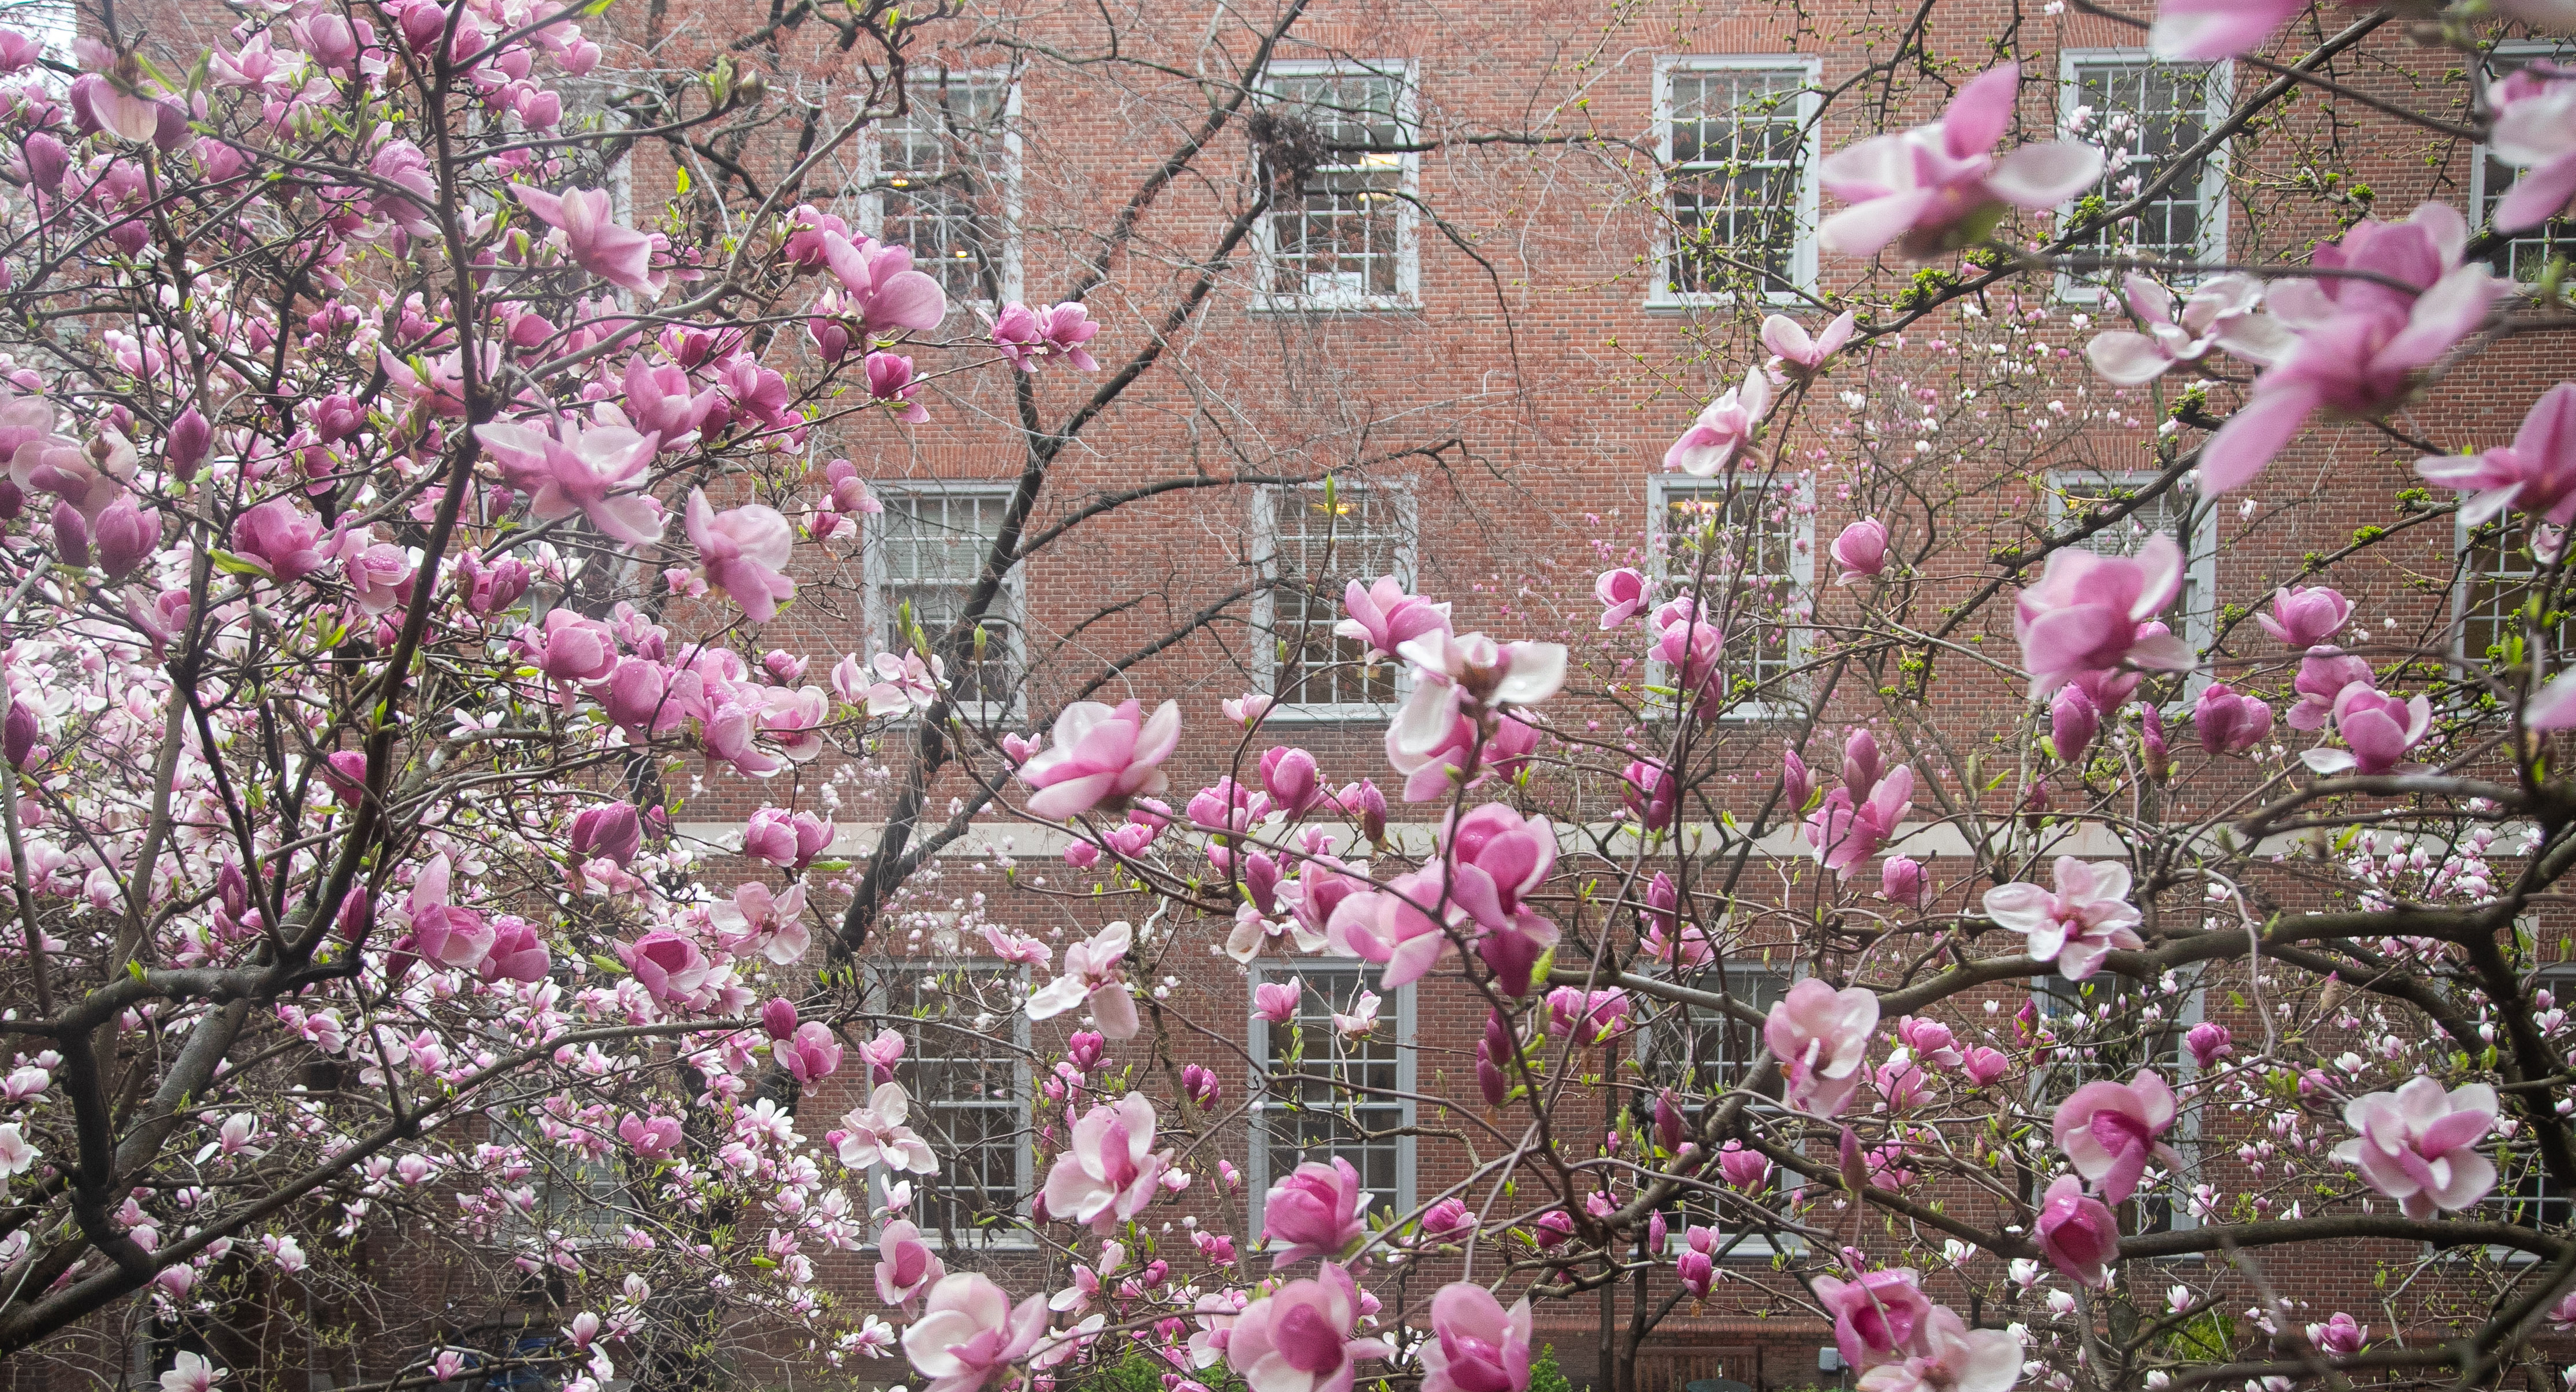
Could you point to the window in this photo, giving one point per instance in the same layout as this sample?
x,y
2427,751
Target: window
x,y
1703,1055
578,1192
2116,1026
1309,1108
2496,579
947,180
925,553
965,1065
1736,138
2075,495
1311,543
2143,114
1751,543
2522,255
1340,232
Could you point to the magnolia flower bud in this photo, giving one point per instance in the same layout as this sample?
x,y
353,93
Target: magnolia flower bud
x,y
71,535
186,446
18,733
2073,721
778,1018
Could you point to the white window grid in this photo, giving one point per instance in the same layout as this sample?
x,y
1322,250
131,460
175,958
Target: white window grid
x,y
1350,237
1705,1058
582,1198
927,549
2174,513
1317,1118
2167,1208
1310,541
944,180
2525,1195
2167,108
2522,255
1735,182
1760,579
965,1070
2495,577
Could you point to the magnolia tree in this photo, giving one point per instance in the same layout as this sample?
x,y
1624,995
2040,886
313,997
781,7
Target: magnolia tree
x,y
388,508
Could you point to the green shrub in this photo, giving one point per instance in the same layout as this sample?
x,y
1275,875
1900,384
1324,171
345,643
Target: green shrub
x,y
1545,1375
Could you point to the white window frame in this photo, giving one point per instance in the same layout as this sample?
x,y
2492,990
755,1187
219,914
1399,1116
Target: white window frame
x,y
1398,1003
1660,492
884,981
1660,293
2200,561
1789,971
1012,604
2186,1133
872,165
2516,52
1408,215
1265,559
2218,104
552,1171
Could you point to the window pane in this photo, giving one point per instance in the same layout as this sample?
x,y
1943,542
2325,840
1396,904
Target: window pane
x,y
965,1079
1308,1111
1731,192
2145,114
1742,539
2499,582
1335,236
1702,1053
2168,514
1319,547
934,547
943,163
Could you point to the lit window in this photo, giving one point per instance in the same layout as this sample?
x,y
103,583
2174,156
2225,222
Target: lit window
x,y
1738,193
1748,543
2522,255
2498,576
1317,540
2076,496
2144,115
965,1066
925,554
1327,1097
1340,233
945,179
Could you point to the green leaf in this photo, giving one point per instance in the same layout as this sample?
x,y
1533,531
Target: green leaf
x,y
231,564
608,964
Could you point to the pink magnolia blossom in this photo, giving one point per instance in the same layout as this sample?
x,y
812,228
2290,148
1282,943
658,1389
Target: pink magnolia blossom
x,y
1724,428
570,650
2340,1336
596,471
1984,1065
280,539
1842,833
2419,1145
2222,313
1386,618
875,1132
882,286
619,255
2094,613
890,380
1276,1001
1650,793
2229,722
2073,720
813,1055
2378,730
658,399
1453,676
2209,1042
1878,1318
2535,475
191,1372
442,933
2303,618
1315,1210
2108,1131
1475,1345
652,1138
2079,925
1821,1037
1696,1272
1248,709
1028,337
1787,338
2535,132
1301,1337
1903,881
741,552
2360,341
517,953
1939,187
1950,1358
2201,31
1622,594
1093,974
1860,550
1107,1173
1101,754
2323,675
970,1334
670,967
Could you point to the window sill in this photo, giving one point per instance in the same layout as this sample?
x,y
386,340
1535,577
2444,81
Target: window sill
x,y
1671,303
1367,304
1346,714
